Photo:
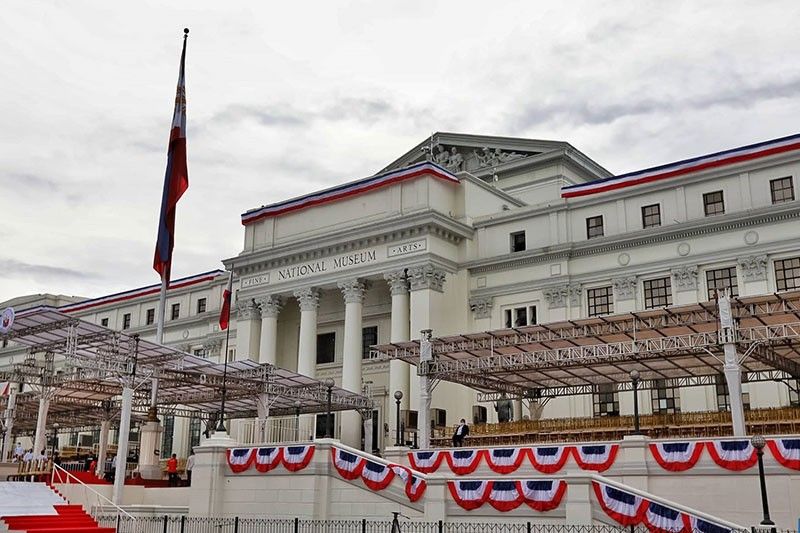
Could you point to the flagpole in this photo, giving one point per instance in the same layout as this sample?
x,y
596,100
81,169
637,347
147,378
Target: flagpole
x,y
221,424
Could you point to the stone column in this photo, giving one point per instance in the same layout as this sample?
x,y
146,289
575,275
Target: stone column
x,y
149,442
102,453
684,285
399,371
754,272
624,294
248,330
308,298
353,291
427,303
40,438
270,309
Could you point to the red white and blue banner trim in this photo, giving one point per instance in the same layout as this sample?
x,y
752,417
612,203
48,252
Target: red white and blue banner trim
x,y
415,485
376,476
549,459
624,507
686,166
733,455
463,462
425,462
268,458
596,457
505,460
702,526
662,519
676,456
786,452
348,189
506,495
296,458
240,459
349,465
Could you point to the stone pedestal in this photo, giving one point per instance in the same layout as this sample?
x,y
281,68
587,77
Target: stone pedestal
x,y
149,454
632,461
208,476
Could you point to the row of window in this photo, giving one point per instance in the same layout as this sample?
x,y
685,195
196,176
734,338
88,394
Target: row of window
x,y
781,189
150,318
326,344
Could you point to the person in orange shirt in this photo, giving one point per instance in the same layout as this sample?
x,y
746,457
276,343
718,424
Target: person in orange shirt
x,y
172,470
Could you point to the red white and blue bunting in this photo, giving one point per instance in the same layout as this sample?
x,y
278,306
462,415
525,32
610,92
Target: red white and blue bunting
x,y
425,462
240,459
376,476
505,460
463,462
701,526
786,452
349,465
506,495
549,459
415,485
596,457
733,455
297,457
268,458
662,519
676,456
626,508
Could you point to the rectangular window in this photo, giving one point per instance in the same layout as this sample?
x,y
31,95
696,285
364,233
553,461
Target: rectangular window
x,y
166,437
600,300
724,399
369,337
231,354
657,293
665,399
606,400
651,216
104,322
322,424
520,316
326,346
713,203
518,241
594,227
787,274
151,317
199,352
782,190
721,278
201,305
195,428
176,311
126,321
794,393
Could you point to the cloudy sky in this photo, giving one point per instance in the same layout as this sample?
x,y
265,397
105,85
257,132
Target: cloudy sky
x,y
289,97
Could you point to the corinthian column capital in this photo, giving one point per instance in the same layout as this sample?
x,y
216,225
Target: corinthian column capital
x,y
353,290
427,277
308,298
246,309
270,306
398,282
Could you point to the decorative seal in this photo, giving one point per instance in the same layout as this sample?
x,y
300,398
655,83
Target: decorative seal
x,y
751,237
6,320
623,259
684,249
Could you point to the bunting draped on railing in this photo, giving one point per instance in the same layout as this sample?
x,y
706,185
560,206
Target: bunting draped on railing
x,y
506,495
676,456
786,452
349,465
463,462
629,509
733,455
293,458
549,459
376,476
425,462
415,485
505,460
596,457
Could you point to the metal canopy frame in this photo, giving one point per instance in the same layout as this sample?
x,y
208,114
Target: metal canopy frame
x,y
676,346
83,367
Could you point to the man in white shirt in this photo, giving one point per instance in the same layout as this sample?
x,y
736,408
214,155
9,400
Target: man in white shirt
x,y
19,451
461,431
189,466
28,457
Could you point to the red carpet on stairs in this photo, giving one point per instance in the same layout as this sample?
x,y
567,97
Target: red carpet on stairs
x,y
70,519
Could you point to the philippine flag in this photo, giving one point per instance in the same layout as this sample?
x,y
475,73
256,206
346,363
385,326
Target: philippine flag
x,y
176,179
225,313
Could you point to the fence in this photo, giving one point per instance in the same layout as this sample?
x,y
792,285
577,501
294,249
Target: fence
x,y
281,429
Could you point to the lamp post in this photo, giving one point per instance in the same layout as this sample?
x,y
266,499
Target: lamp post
x,y
55,440
398,395
758,443
635,381
328,422
297,405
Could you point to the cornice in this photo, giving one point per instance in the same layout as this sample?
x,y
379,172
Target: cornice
x,y
427,223
493,190
668,233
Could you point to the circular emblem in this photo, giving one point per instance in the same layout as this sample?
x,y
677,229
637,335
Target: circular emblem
x,y
6,320
186,334
751,237
684,249
624,259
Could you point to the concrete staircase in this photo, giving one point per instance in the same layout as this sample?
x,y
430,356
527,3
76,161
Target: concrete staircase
x,y
37,508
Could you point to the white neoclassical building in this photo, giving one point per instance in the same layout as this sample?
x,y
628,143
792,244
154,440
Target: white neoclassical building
x,y
467,233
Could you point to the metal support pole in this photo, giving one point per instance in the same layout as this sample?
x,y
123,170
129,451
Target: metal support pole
x,y
425,389
9,421
398,396
122,445
635,383
758,443
328,421
732,369
40,438
297,405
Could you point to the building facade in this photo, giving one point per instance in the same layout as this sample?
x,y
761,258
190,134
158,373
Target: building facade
x,y
467,233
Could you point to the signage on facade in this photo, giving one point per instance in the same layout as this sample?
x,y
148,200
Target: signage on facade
x,y
407,248
261,279
6,320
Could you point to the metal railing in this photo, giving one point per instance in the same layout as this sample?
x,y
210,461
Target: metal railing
x,y
281,429
93,499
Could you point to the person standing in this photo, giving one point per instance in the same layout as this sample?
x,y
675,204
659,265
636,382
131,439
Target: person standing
x,y
172,470
461,432
189,466
19,451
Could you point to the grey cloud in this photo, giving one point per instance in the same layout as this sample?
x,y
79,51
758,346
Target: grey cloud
x,y
15,180
363,109
264,115
18,269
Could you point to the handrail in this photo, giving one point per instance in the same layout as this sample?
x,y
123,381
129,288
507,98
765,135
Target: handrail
x,y
373,458
70,475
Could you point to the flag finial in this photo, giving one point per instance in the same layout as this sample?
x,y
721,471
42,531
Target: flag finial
x,y
185,32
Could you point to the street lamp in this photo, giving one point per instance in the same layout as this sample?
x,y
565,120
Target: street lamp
x,y
758,443
55,440
328,422
398,395
297,405
635,380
